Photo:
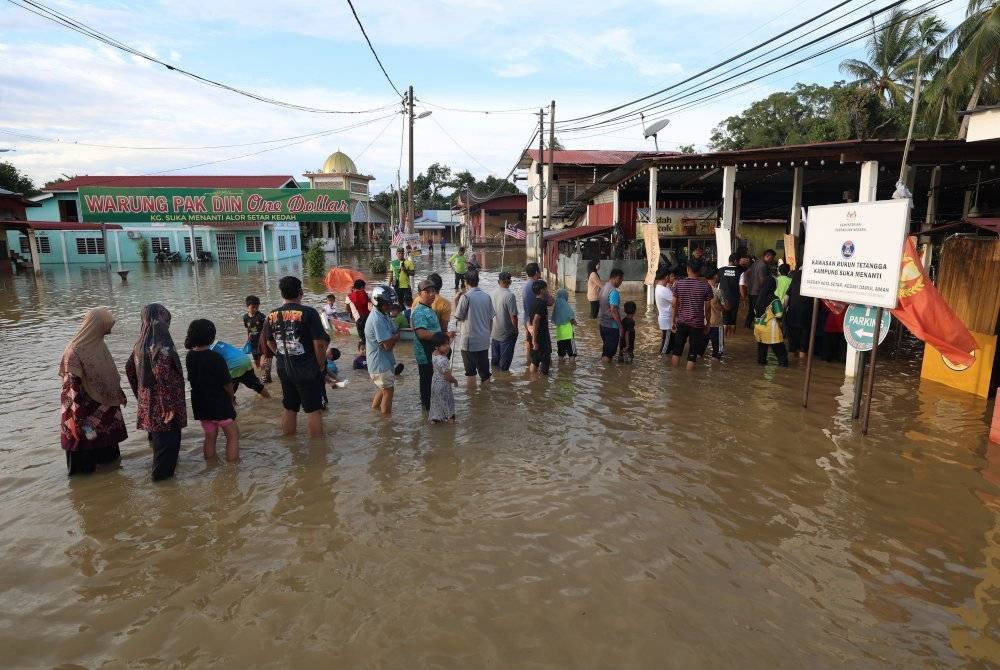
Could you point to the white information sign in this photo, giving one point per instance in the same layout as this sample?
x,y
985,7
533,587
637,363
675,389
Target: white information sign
x,y
853,251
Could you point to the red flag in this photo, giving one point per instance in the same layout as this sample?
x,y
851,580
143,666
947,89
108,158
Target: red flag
x,y
925,313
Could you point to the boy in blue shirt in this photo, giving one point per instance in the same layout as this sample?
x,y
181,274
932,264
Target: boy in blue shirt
x,y
240,367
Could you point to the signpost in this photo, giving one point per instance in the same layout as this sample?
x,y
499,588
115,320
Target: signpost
x,y
852,254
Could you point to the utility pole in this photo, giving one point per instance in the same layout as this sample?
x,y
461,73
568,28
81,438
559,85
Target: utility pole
x,y
552,156
409,195
542,194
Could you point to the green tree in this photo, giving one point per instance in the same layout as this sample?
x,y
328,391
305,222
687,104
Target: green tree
x,y
890,59
14,180
686,149
437,188
798,116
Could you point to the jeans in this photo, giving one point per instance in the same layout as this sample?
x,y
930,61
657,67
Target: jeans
x,y
502,352
750,307
713,337
459,279
360,326
595,307
666,341
426,372
542,357
685,332
166,447
476,362
609,336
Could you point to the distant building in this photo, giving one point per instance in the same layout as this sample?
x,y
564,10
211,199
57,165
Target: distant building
x,y
484,221
340,172
434,224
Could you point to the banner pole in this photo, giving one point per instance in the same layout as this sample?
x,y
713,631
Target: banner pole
x,y
859,385
870,384
503,245
809,354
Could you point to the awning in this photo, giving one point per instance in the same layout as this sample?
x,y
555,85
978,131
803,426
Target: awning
x,y
428,225
573,233
23,226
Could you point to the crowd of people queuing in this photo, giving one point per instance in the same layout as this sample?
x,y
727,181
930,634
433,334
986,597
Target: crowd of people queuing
x,y
696,306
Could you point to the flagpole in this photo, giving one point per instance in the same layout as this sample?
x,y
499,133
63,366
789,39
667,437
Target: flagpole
x,y
503,244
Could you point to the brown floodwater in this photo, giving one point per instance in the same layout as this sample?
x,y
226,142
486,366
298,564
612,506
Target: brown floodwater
x,y
620,516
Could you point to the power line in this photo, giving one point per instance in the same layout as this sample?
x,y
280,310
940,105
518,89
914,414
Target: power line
x,y
66,21
374,139
516,110
377,59
464,150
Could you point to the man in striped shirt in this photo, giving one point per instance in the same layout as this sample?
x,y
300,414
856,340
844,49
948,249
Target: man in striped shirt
x,y
692,313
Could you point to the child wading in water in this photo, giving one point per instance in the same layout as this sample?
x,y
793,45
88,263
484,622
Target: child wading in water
x,y
212,390
442,397
253,321
564,319
626,351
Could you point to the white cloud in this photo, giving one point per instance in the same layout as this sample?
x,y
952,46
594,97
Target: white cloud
x,y
514,70
175,55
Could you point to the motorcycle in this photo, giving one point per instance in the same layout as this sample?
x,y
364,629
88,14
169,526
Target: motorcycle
x,y
168,257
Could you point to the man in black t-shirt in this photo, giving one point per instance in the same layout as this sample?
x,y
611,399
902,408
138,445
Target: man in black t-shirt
x,y
296,335
538,324
729,283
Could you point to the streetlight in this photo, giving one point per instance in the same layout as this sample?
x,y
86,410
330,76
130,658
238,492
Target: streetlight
x,y
409,195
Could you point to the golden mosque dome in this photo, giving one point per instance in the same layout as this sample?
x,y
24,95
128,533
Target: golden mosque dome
x,y
339,162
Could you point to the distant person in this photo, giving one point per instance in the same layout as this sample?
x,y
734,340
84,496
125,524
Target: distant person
x,y
834,344
212,390
503,337
729,284
296,337
532,273
361,359
442,407
564,319
332,370
718,309
157,379
539,320
91,424
594,284
767,327
401,271
253,323
757,273
692,313
459,265
663,294
426,325
441,305
360,306
430,247
783,282
609,317
442,246
329,308
474,311
380,339
798,317
626,347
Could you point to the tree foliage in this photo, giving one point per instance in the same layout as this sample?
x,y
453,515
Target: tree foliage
x,y
437,187
14,180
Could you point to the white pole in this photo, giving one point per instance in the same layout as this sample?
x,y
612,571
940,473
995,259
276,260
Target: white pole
x,y
263,243
795,218
866,193
653,189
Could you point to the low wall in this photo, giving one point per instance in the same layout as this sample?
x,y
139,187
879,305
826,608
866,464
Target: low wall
x,y
571,274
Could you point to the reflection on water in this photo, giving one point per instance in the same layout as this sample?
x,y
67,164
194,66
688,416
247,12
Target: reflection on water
x,y
629,516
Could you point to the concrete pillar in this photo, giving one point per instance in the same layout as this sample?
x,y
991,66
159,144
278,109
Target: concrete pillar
x,y
33,248
795,216
263,243
653,189
932,203
615,206
62,242
118,248
194,248
866,193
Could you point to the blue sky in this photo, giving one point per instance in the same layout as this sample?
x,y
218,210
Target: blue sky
x,y
493,54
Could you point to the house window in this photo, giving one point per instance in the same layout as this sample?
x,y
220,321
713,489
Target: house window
x,y
158,244
67,210
198,244
43,245
566,193
282,243
359,187
253,244
295,241
25,247
88,246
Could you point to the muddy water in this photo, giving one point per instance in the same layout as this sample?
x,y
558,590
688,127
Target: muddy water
x,y
629,516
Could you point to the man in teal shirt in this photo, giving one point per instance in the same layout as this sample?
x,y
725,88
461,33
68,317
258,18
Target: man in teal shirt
x,y
425,323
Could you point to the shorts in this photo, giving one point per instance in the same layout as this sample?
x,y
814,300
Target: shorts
x,y
384,380
729,317
305,396
213,425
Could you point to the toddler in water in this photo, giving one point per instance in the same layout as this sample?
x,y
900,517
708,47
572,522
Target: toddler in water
x,y
626,350
361,360
564,319
212,390
442,396
330,308
332,356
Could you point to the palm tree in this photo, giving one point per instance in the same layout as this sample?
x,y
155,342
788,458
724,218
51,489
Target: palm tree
x,y
890,59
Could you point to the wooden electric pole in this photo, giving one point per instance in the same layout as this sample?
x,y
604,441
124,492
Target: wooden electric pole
x,y
542,194
409,193
552,157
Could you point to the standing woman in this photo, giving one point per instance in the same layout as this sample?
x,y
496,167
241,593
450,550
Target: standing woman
x,y
154,372
798,317
594,286
768,311
92,397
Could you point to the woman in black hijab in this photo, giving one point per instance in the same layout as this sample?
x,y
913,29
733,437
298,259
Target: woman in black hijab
x,y
798,316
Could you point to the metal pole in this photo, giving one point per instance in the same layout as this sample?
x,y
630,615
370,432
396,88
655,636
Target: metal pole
x,y
913,115
542,193
409,194
503,244
809,354
870,383
858,384
552,156
104,241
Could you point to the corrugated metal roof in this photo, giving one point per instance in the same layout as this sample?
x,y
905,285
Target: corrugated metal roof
x,y
508,202
173,181
582,157
579,231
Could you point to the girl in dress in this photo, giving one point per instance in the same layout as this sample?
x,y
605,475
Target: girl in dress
x,y
92,424
442,397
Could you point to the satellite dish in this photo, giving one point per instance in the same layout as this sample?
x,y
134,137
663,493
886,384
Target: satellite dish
x,y
656,127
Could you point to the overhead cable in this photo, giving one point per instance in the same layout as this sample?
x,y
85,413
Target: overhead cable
x,y
377,59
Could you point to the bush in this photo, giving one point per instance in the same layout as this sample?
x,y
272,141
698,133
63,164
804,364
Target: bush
x,y
142,248
378,265
315,259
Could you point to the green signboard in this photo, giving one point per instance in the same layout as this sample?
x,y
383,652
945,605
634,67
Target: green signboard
x,y
208,206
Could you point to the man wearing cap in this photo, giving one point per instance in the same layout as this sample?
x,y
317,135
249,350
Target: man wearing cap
x,y
504,334
441,305
381,337
426,325
400,271
474,312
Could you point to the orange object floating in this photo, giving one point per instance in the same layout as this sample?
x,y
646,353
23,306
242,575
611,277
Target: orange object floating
x,y
341,280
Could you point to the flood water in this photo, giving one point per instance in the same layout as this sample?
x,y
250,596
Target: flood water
x,y
631,516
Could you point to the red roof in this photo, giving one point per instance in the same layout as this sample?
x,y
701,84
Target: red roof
x,y
587,156
171,181
56,225
514,202
579,231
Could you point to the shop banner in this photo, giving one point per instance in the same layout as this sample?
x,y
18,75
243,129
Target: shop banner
x,y
681,222
209,206
790,253
652,240
853,251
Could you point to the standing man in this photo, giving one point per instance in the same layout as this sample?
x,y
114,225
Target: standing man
x,y
296,335
425,324
729,284
692,313
460,264
474,310
609,315
758,272
504,335
532,274
442,245
381,337
400,271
